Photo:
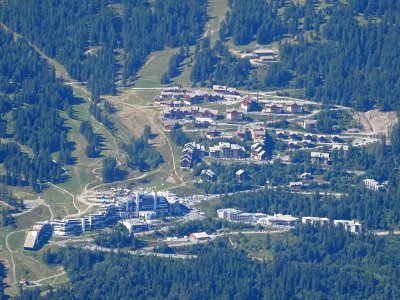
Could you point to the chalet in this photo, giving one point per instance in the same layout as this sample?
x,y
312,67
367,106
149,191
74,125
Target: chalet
x,y
247,104
205,113
207,175
294,108
309,124
239,175
273,108
241,132
258,134
234,115
319,158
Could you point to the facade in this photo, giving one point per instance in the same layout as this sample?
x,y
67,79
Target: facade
x,y
319,158
280,220
38,236
190,152
227,151
258,134
241,132
309,124
294,108
135,226
234,215
207,175
257,151
234,115
349,225
273,108
314,220
247,104
373,184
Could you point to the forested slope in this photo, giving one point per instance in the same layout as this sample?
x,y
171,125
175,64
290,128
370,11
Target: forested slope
x,y
311,263
31,99
86,36
339,52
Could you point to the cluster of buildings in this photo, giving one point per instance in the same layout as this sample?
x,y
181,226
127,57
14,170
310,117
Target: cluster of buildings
x,y
190,152
195,96
281,220
260,57
192,113
287,107
116,205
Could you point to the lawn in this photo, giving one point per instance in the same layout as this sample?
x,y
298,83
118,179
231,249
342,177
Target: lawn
x,y
16,240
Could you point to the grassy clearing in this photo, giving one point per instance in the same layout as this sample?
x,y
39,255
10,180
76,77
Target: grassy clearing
x,y
16,240
210,207
31,268
40,213
150,74
216,11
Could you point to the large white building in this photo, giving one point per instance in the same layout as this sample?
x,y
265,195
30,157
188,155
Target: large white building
x,y
235,215
349,225
124,206
373,184
314,220
279,220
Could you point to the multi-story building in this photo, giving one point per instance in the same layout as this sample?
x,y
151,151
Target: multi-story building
x,y
349,225
227,151
124,207
314,220
279,220
373,184
319,158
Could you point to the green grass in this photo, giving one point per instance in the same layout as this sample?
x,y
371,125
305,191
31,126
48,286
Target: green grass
x,y
209,207
16,240
26,221
150,74
31,268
